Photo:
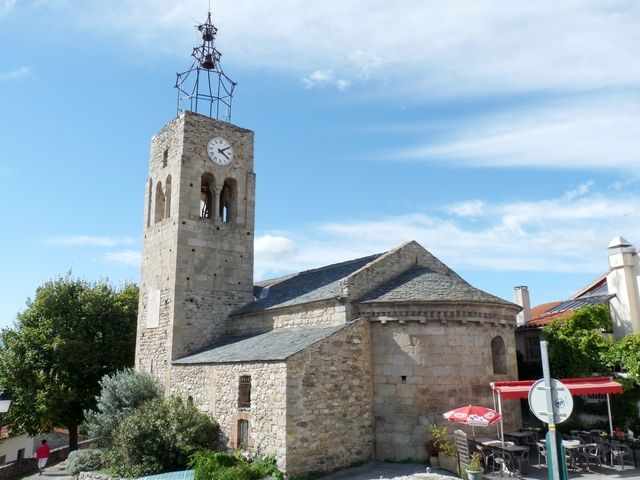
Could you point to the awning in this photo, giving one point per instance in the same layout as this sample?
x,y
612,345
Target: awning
x,y
577,386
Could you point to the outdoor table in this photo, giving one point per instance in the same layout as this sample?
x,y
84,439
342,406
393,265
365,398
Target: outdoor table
x,y
521,437
515,453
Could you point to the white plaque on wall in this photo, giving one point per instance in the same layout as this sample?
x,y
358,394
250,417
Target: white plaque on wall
x,y
153,308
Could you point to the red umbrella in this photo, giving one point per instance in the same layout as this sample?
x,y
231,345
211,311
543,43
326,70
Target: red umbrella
x,y
474,415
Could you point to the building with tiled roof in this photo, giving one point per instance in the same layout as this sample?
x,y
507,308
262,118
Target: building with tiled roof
x,y
617,288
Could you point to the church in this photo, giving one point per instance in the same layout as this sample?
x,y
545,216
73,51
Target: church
x,y
324,368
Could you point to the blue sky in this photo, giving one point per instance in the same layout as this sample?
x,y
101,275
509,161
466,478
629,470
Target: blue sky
x,y
502,136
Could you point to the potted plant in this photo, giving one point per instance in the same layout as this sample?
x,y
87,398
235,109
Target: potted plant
x,y
474,469
448,456
438,436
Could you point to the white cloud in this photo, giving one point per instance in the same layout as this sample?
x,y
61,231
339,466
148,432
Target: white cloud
x,y
599,135
579,191
565,234
16,74
6,7
87,241
323,78
125,257
471,208
430,49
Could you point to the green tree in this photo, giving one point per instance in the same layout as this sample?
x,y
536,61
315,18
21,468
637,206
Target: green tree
x,y
70,335
160,436
120,392
577,345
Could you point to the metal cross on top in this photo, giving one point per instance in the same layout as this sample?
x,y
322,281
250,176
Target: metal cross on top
x,y
205,88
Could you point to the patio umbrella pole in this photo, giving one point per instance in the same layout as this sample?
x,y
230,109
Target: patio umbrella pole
x,y
610,421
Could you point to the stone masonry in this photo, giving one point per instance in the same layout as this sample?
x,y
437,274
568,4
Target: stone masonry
x,y
345,363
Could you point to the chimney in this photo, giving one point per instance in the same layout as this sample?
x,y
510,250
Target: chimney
x,y
521,297
622,280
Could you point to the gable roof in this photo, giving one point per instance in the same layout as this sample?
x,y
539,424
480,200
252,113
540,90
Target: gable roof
x,y
276,345
303,287
423,284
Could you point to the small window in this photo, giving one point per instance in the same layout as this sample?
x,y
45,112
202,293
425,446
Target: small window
x,y
20,456
498,356
243,434
165,158
190,401
3,459
244,392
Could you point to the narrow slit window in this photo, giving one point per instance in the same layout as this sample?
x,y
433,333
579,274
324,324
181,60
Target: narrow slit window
x,y
244,392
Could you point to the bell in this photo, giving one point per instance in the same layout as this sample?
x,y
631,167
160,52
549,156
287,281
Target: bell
x,y
207,62
207,35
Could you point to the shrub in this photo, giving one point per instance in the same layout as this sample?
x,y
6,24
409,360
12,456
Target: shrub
x,y
233,466
120,393
160,436
85,461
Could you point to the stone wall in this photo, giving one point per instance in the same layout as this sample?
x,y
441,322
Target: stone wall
x,y
329,409
321,313
423,369
214,389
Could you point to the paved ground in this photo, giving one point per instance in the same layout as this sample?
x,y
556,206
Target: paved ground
x,y
57,472
403,471
411,471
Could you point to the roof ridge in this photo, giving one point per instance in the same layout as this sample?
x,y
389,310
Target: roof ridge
x,y
275,280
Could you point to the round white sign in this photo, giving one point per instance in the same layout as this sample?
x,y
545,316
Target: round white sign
x,y
562,401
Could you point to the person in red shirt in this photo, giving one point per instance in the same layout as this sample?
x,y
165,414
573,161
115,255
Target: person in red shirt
x,y
42,455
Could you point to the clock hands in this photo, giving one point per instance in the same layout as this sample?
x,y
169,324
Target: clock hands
x,y
221,150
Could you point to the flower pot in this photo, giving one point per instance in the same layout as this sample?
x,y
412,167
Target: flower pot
x,y
474,474
434,461
448,462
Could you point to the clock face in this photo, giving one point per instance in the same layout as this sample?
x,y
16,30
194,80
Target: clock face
x,y
220,151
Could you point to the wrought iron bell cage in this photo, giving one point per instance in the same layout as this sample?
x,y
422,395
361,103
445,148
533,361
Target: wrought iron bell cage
x,y
205,88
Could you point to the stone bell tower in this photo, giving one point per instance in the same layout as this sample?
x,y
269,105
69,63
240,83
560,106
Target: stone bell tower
x,y
197,258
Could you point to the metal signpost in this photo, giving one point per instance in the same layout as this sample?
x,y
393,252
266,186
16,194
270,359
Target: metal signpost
x,y
551,402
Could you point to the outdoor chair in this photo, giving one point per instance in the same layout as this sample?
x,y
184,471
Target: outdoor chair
x,y
591,454
542,452
619,453
487,457
502,465
604,449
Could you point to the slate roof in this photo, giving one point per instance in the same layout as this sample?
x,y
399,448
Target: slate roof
x,y
303,287
271,346
423,284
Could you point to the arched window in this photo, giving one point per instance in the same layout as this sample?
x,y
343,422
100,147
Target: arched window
x,y
243,434
206,195
159,203
190,401
227,207
167,196
498,356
